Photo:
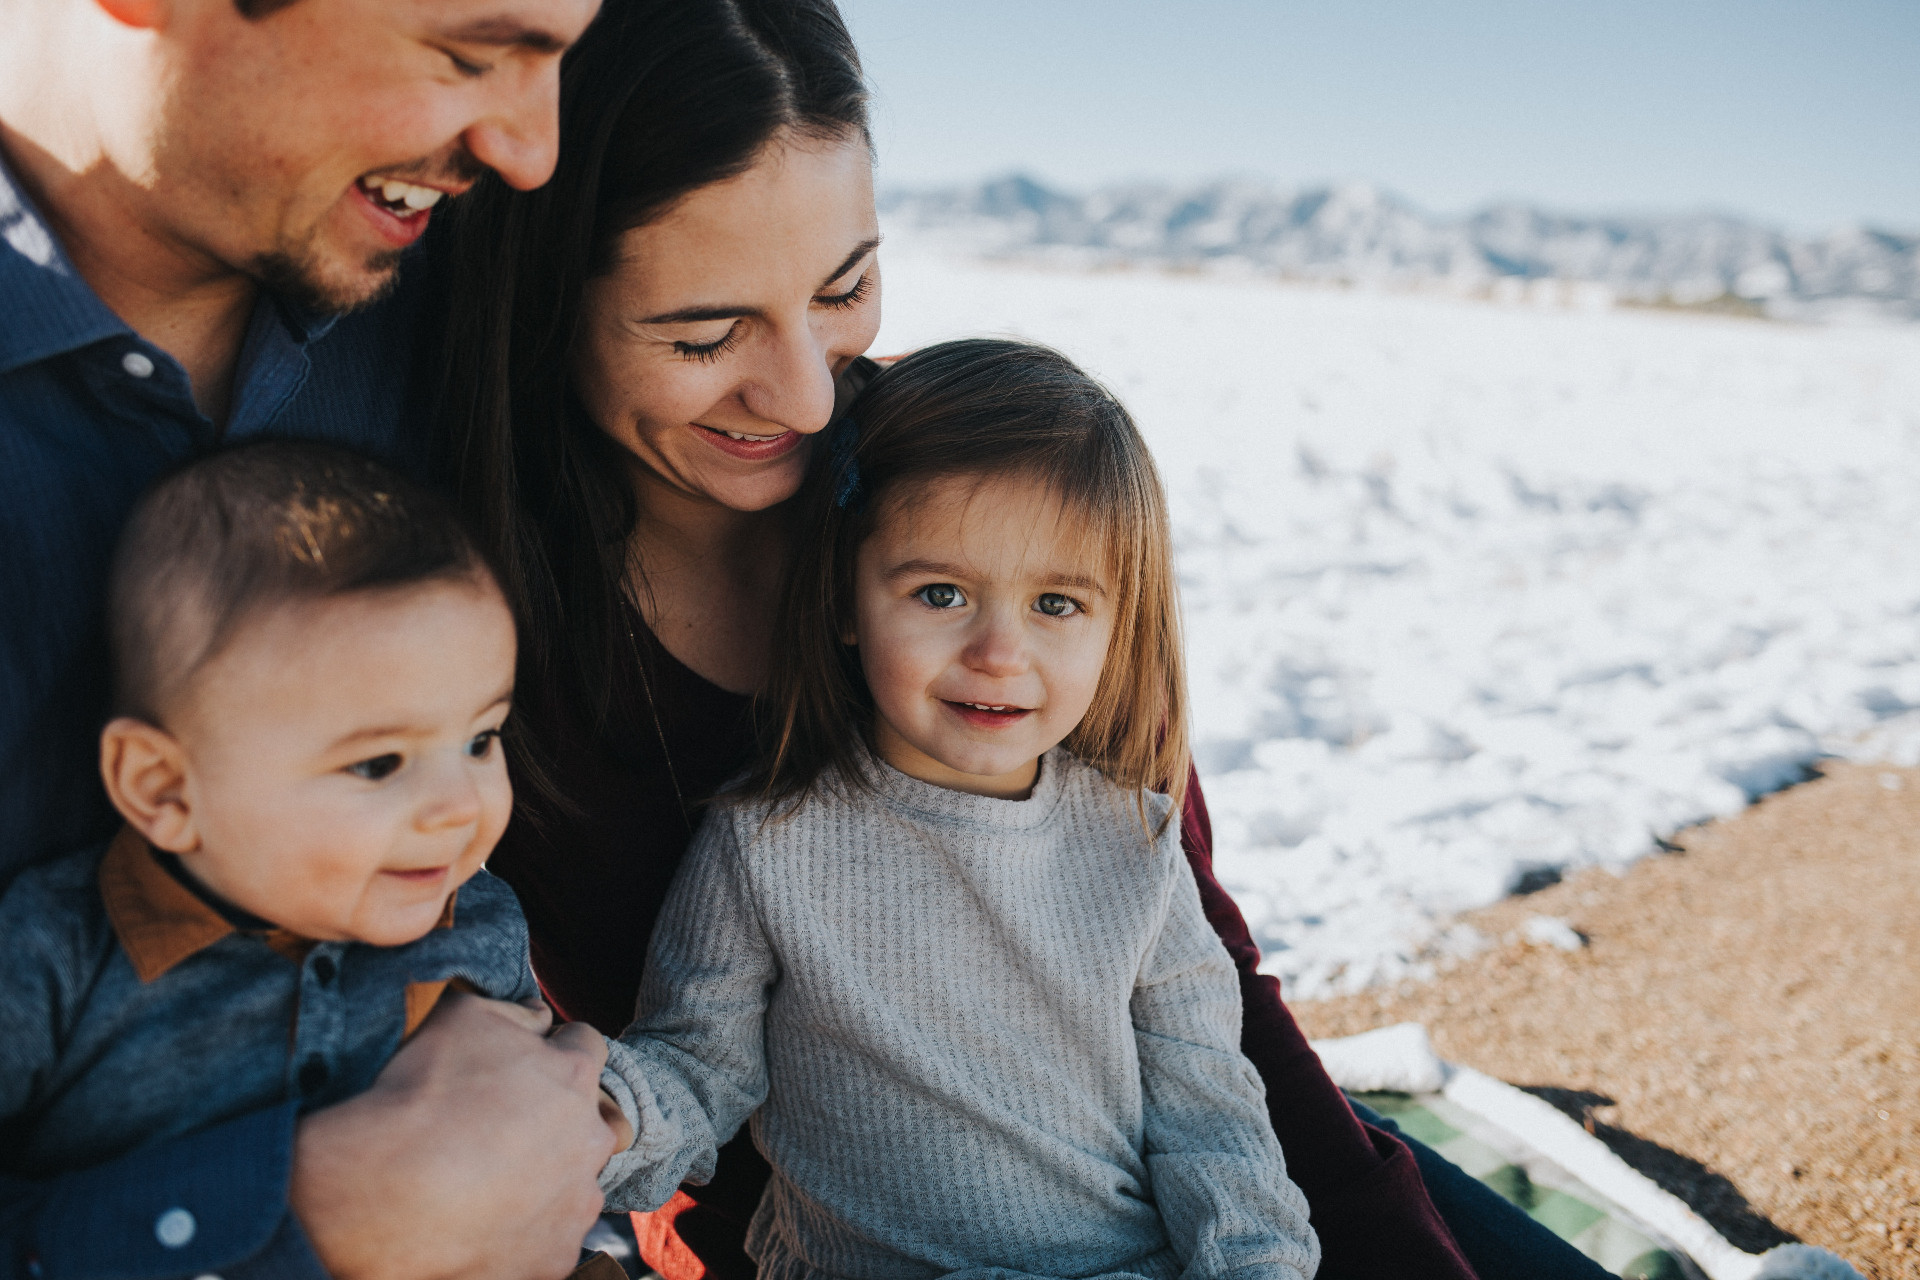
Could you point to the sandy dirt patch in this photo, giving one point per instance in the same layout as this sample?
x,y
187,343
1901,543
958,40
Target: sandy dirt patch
x,y
1743,1025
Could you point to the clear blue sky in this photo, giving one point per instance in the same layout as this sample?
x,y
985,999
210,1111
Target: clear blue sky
x,y
1804,113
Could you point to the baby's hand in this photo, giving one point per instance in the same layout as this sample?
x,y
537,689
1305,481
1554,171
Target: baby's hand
x,y
616,1120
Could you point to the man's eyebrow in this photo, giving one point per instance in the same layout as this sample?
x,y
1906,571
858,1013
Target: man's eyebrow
x,y
506,32
694,315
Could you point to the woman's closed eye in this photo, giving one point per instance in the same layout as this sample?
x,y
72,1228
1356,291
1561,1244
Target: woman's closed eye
x,y
851,298
1055,605
375,768
708,352
941,595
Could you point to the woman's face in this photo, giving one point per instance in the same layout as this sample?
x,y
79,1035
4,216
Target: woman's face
x,y
711,348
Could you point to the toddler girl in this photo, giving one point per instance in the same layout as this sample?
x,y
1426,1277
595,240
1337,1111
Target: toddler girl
x,y
944,947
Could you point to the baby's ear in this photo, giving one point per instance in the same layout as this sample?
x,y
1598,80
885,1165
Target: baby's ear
x,y
145,770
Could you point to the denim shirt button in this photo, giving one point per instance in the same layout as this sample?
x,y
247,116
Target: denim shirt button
x,y
137,363
175,1228
208,1276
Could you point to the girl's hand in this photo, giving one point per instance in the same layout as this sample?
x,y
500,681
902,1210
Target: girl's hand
x,y
617,1121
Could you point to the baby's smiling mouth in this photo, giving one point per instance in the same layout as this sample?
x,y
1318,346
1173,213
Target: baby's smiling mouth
x,y
416,875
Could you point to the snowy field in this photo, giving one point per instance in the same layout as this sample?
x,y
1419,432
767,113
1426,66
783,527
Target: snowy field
x,y
1476,591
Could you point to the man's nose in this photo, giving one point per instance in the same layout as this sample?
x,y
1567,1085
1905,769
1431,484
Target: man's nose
x,y
519,138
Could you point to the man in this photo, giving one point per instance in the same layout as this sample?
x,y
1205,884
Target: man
x,y
191,191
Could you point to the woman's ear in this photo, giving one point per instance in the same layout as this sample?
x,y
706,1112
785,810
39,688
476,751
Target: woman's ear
x,y
145,770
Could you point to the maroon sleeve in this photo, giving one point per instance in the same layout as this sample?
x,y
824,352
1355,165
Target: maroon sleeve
x,y
1368,1204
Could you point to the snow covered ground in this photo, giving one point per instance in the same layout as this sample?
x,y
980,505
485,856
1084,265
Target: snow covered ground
x,y
1474,591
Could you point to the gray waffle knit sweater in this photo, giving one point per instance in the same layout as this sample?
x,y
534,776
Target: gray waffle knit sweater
x,y
985,1039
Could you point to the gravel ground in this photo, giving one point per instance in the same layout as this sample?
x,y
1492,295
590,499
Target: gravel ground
x,y
1743,1025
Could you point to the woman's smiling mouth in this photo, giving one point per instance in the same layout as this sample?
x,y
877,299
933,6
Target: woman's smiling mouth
x,y
753,448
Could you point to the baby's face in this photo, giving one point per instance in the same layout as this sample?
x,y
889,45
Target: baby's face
x,y
343,769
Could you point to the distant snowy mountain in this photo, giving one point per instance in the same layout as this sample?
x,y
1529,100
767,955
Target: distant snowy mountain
x,y
1358,234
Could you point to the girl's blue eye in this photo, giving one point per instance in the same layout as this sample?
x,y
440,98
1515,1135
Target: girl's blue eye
x,y
941,595
375,769
1055,605
482,744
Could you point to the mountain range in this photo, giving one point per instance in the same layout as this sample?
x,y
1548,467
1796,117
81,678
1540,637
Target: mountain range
x,y
1358,234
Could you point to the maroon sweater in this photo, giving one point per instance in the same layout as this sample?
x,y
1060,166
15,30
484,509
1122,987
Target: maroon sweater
x,y
592,883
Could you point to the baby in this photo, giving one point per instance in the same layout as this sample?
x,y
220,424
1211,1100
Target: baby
x,y
312,663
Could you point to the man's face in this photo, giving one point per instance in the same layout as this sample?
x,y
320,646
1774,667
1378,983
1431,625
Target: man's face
x,y
309,147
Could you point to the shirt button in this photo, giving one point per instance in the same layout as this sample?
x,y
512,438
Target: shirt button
x,y
137,363
174,1228
208,1276
323,969
313,1074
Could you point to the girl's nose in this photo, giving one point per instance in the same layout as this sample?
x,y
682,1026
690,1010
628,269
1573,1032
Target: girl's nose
x,y
997,646
793,386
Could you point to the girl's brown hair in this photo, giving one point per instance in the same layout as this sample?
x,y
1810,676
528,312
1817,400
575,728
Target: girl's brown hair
x,y
983,408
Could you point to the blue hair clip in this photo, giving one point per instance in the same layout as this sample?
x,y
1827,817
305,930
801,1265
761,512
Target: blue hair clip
x,y
848,490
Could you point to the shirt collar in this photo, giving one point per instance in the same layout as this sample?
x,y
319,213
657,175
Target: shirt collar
x,y
160,922
51,310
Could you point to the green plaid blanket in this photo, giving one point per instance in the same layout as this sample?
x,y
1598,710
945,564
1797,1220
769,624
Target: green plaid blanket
x,y
1549,1195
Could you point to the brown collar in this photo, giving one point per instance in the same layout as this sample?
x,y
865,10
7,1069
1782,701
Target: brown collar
x,y
161,922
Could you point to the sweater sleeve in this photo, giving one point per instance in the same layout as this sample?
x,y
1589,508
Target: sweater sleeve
x,y
1369,1206
1217,1172
692,1067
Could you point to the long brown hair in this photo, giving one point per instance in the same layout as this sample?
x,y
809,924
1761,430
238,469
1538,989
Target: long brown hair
x,y
984,408
659,99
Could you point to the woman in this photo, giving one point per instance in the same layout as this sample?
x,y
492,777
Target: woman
x,y
638,357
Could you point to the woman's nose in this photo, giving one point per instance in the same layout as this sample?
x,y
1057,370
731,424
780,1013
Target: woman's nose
x,y
793,387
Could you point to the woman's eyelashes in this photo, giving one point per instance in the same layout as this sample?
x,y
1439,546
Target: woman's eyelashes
x,y
708,352
851,298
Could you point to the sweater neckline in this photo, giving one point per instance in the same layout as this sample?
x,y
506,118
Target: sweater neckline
x,y
903,791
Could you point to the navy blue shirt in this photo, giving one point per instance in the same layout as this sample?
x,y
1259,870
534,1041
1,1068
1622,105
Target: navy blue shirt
x,y
90,414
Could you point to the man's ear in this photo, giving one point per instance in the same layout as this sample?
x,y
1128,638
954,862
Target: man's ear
x,y
145,770
146,15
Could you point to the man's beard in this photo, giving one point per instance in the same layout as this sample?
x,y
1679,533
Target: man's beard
x,y
300,279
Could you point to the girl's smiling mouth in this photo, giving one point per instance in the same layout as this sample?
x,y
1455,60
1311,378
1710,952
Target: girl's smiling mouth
x,y
988,715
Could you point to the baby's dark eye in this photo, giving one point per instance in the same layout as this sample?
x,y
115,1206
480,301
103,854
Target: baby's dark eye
x,y
377,768
1055,605
481,745
941,595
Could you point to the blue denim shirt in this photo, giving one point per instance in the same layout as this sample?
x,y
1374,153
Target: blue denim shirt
x,y
136,1011
90,413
